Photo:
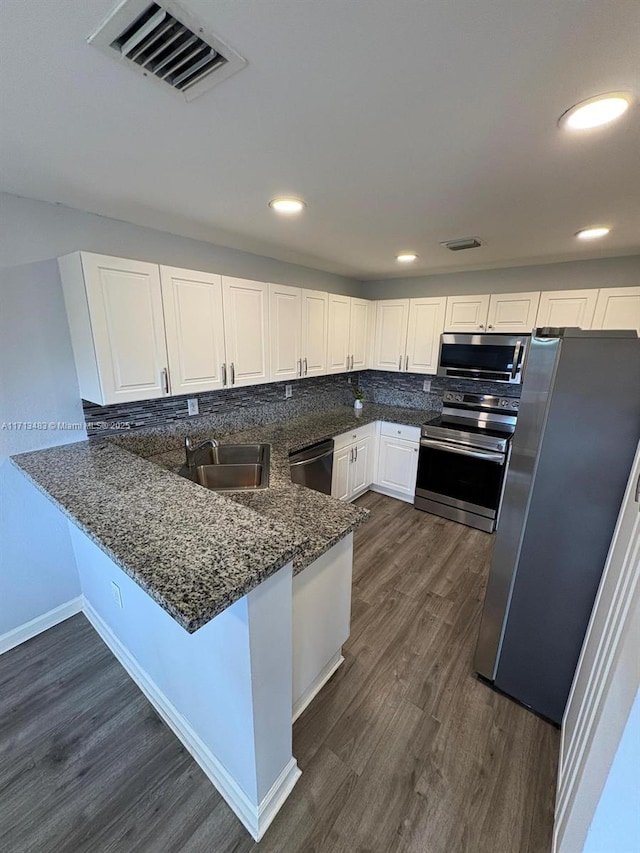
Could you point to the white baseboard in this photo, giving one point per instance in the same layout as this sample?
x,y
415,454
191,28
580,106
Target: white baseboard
x,y
42,623
391,493
256,818
316,686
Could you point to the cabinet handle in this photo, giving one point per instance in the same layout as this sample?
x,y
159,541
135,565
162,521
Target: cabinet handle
x,y
224,375
306,366
637,497
299,367
400,363
351,455
356,450
406,362
351,362
481,326
164,375
233,373
489,326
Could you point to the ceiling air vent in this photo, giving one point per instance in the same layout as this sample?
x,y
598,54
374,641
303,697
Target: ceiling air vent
x,y
463,243
164,42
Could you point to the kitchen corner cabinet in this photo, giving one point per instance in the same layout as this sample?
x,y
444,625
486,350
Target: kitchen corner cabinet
x,y
617,308
194,325
246,330
567,308
407,336
426,323
114,307
389,352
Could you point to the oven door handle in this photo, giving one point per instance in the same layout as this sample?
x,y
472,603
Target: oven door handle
x,y
488,456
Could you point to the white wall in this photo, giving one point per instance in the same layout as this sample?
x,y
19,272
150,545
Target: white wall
x,y
572,275
37,383
36,230
616,823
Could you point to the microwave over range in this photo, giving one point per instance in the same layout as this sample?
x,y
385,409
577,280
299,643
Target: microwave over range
x,y
492,357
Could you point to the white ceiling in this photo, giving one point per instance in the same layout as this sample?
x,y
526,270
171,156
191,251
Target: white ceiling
x,y
401,122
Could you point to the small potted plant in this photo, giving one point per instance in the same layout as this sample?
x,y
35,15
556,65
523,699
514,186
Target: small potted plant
x,y
358,397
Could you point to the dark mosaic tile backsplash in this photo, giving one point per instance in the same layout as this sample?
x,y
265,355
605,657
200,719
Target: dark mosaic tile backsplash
x,y
237,408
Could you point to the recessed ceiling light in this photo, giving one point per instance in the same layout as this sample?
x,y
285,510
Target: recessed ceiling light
x,y
287,205
406,257
593,233
596,111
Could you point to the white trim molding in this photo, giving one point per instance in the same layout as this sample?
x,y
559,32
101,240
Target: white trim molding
x,y
312,691
256,820
36,626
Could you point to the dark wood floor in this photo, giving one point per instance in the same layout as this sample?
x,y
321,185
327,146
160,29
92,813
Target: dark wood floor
x,y
404,750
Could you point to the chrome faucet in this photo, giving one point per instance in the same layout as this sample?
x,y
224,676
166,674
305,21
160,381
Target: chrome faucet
x,y
191,451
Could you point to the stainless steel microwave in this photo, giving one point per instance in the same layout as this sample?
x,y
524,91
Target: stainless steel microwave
x,y
492,357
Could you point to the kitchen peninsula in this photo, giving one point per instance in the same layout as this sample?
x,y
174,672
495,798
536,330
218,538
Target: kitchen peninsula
x,y
228,611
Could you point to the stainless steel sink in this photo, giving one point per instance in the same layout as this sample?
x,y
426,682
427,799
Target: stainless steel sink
x,y
230,467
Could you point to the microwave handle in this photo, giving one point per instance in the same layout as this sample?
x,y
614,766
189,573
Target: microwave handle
x,y
463,451
516,358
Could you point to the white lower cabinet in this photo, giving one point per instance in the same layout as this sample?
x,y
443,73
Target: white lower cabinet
x,y
397,463
353,463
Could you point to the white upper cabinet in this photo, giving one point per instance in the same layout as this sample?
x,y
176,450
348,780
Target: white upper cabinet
x,y
194,328
618,308
285,319
359,334
246,330
339,324
426,324
513,312
115,316
567,308
390,344
315,326
467,313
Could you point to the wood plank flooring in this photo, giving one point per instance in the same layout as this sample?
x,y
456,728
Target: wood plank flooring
x,y
404,751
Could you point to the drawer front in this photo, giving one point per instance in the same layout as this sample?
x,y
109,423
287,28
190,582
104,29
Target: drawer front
x,y
408,433
347,438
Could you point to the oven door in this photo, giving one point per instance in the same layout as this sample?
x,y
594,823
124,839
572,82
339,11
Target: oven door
x,y
466,479
495,357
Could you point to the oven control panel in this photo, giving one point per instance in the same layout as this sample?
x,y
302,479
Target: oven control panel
x,y
480,402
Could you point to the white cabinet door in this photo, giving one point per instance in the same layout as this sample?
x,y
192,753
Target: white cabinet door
x,y
467,313
194,327
315,325
125,306
618,308
358,335
513,312
246,330
285,324
397,465
361,467
391,334
339,321
340,479
426,324
567,308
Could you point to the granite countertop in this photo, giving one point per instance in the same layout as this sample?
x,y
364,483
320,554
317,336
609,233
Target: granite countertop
x,y
193,551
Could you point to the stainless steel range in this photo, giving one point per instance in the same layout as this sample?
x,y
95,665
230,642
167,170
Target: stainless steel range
x,y
463,458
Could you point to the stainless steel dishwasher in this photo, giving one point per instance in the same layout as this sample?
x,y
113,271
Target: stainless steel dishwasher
x,y
313,466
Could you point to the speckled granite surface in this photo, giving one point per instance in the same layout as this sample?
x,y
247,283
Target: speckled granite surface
x,y
194,551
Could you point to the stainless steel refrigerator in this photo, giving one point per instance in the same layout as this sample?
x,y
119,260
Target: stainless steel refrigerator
x,y
572,450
